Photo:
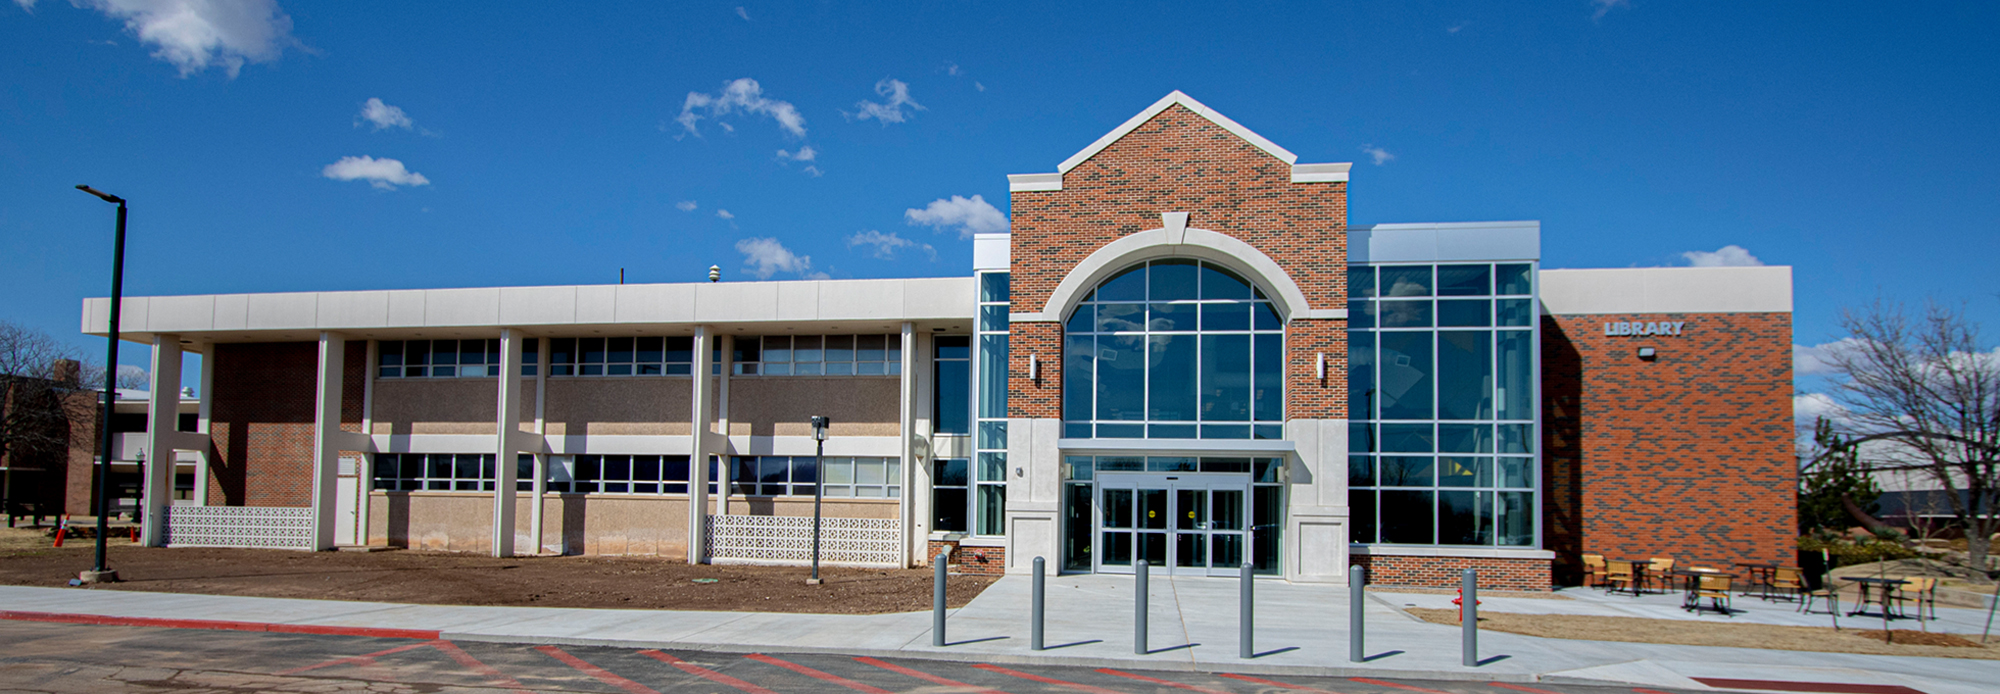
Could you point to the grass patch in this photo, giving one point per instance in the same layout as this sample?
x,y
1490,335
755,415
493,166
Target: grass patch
x,y
1716,632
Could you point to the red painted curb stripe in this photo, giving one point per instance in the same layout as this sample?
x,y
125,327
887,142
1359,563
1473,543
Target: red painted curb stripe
x,y
1519,688
356,659
1144,678
705,673
1830,687
602,675
1046,680
925,676
217,624
818,675
1649,691
1393,685
1272,683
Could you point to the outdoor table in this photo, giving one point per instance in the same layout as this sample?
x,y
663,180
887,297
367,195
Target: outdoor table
x,y
1760,576
1639,569
1887,585
1693,587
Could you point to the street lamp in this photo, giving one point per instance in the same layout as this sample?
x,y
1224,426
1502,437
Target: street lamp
x,y
819,487
102,573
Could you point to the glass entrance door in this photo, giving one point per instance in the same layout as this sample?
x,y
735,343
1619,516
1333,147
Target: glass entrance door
x,y
1192,524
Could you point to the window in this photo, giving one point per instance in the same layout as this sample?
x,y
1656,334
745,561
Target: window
x,y
989,491
409,472
1442,395
620,356
846,477
1174,348
864,478
951,402
618,474
444,358
819,355
950,507
1267,500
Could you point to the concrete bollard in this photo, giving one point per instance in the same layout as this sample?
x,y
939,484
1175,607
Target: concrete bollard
x,y
1468,627
1035,625
1139,595
1357,604
1247,617
937,601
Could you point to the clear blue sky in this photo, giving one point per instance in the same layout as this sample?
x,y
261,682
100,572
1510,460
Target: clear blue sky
x,y
1855,142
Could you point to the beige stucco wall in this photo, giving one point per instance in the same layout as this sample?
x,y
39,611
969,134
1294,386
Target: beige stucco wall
x,y
624,406
573,523
442,406
784,406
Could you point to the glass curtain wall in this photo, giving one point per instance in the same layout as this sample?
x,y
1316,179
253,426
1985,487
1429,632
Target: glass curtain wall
x,y
989,496
1174,348
1443,392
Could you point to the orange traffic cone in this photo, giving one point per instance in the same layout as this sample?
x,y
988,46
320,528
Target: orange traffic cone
x,y
62,528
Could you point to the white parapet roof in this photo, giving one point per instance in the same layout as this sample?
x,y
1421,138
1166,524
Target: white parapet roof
x,y
801,305
1667,290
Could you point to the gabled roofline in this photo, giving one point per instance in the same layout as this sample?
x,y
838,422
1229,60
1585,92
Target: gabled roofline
x,y
1177,97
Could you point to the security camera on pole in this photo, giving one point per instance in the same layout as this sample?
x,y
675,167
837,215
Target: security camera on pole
x,y
819,486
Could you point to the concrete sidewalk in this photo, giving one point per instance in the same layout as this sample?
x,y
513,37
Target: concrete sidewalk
x,y
1301,629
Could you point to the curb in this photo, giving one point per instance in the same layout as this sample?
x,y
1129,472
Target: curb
x,y
217,624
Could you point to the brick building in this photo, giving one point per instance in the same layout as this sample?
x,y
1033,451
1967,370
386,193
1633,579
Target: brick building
x,y
1181,353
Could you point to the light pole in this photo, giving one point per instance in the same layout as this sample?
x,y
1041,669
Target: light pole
x,y
102,573
819,487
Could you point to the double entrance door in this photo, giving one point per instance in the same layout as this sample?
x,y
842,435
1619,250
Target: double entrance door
x,y
1189,524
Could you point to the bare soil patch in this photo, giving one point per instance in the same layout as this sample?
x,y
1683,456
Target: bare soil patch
x,y
1711,633
436,578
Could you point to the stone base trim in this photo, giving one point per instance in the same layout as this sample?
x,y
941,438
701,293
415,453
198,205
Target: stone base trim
x,y
1444,572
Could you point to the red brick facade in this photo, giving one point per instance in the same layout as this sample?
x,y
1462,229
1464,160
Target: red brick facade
x,y
1180,161
1434,572
977,561
1686,455
261,419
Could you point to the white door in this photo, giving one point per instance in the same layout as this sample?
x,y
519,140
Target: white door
x,y
346,492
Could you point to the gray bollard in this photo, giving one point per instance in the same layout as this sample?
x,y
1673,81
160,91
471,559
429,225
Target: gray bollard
x,y
1035,626
1247,619
1139,609
1356,605
1468,628
937,601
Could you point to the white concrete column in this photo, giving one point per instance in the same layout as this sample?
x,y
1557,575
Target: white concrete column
x,y
506,442
916,367
727,363
326,437
906,426
702,420
535,512
206,455
364,473
162,423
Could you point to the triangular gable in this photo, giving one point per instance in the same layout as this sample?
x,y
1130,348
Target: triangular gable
x,y
1187,101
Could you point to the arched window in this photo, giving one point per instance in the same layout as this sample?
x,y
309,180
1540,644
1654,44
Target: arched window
x,y
1174,349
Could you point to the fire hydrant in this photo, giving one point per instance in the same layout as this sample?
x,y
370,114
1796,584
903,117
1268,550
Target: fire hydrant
x,y
1460,603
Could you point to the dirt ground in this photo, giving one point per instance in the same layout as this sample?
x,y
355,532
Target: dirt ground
x,y
436,578
1708,633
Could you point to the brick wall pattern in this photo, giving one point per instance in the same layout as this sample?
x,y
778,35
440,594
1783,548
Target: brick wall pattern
x,y
261,419
1445,572
976,561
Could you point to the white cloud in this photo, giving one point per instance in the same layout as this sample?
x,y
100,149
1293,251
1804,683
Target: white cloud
x,y
384,173
896,95
765,257
1381,156
740,95
1455,28
1606,6
806,153
886,245
1817,360
978,86
724,214
383,115
745,14
1727,256
686,205
968,216
1808,407
197,34
28,5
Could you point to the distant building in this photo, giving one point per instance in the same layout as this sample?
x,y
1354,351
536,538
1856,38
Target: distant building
x,y
1181,353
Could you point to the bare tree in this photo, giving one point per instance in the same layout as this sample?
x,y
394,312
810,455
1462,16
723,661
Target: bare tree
x,y
1926,388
